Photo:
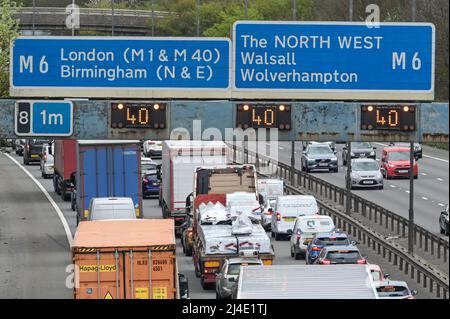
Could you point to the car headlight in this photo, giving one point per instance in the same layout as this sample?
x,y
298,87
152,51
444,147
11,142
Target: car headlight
x,y
372,153
352,154
334,159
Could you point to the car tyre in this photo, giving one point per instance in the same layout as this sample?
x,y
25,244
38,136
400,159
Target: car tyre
x,y
381,187
292,253
277,237
188,252
272,234
297,256
441,229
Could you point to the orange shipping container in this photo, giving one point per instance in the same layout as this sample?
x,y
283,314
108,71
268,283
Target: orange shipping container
x,y
125,259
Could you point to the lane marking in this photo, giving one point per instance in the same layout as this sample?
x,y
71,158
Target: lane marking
x,y
50,199
427,156
442,205
440,179
423,174
407,192
424,198
393,186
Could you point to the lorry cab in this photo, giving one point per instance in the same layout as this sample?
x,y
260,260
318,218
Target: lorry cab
x,y
111,208
287,209
305,228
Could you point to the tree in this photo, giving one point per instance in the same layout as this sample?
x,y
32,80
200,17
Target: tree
x,y
8,32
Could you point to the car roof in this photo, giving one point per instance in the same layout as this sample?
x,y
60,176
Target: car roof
x,y
396,149
364,160
343,247
332,234
240,260
111,200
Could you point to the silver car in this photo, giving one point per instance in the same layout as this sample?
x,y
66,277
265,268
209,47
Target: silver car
x,y
366,173
319,157
228,276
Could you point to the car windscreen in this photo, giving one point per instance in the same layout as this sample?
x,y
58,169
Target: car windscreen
x,y
234,269
149,167
343,256
392,291
365,166
117,214
320,150
332,241
398,156
152,177
39,141
361,145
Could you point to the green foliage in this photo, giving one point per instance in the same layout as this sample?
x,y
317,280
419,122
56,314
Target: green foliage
x,y
8,32
227,17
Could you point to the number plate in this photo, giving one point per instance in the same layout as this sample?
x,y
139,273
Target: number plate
x,y
34,155
323,164
367,182
403,171
289,219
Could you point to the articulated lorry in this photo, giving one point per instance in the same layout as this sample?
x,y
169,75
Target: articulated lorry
x,y
65,161
225,192
126,259
108,169
179,161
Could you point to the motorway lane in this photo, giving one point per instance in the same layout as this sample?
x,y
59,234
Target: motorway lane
x,y
34,251
153,211
431,190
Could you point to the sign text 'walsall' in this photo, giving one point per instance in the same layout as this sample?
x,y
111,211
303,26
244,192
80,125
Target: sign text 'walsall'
x,y
120,67
319,60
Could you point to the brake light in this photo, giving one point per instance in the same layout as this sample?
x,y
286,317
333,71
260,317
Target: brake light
x,y
151,143
315,248
278,217
361,261
145,181
189,233
45,157
325,262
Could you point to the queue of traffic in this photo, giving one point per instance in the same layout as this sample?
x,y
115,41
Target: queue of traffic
x,y
224,214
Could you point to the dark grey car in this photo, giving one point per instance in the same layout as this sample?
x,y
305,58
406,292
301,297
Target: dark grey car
x,y
228,276
359,150
319,157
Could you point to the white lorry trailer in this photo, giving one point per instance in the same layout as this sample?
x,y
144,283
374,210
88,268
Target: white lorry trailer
x,y
305,282
179,161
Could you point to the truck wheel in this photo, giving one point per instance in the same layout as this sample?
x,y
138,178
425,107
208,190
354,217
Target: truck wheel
x,y
205,286
273,234
56,185
297,256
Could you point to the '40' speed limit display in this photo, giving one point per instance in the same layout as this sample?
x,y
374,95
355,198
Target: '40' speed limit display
x,y
264,116
138,115
388,117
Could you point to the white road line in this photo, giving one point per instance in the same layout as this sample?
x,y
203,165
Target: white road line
x,y
424,198
427,156
50,199
440,179
393,186
407,192
442,205
423,174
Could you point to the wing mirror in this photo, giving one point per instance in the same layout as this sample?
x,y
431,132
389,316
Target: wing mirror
x,y
414,292
289,232
387,276
354,243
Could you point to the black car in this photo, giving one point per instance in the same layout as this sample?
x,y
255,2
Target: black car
x,y
443,221
359,150
32,150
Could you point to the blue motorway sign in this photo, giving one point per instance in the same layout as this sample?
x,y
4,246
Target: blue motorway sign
x,y
334,60
108,67
44,118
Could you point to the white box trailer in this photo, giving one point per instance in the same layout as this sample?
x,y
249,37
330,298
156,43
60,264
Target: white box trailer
x,y
179,161
306,282
270,188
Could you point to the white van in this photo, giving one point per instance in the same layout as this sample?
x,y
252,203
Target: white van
x,y
270,188
287,209
305,228
104,208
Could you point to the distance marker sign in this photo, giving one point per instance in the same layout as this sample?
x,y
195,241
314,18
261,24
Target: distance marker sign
x,y
345,61
120,67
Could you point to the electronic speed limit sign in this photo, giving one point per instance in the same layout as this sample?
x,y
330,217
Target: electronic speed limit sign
x,y
43,118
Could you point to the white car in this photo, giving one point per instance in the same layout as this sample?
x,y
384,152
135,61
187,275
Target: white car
x,y
287,209
47,160
148,166
105,208
305,228
389,289
153,149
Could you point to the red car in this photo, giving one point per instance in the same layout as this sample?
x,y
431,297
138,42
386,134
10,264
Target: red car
x,y
395,162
